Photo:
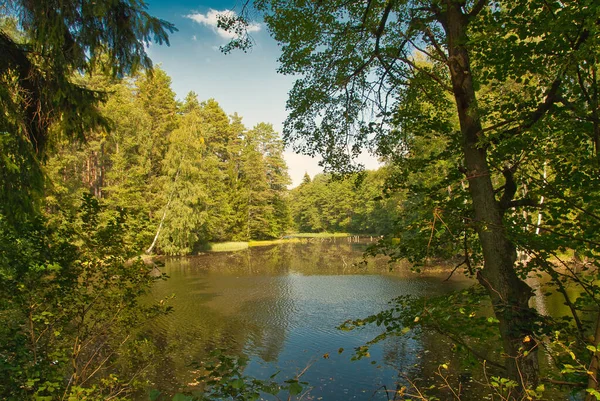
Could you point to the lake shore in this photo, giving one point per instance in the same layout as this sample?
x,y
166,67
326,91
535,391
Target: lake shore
x,y
232,246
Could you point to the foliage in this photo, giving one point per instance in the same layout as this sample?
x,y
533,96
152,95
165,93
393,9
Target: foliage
x,y
462,317
353,204
487,113
71,305
46,45
185,174
266,205
223,378
185,169
70,290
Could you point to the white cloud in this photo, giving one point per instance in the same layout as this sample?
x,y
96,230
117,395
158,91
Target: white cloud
x,y
211,20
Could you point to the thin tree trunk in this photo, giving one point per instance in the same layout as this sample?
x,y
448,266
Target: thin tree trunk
x,y
508,293
162,220
101,168
160,225
248,217
595,117
539,219
522,255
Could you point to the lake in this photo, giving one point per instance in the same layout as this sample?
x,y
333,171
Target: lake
x,y
280,306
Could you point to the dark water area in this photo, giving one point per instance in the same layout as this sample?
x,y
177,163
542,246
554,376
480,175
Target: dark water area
x,y
281,306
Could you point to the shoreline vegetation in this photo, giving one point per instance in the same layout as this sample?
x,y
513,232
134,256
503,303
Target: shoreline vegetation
x,y
232,246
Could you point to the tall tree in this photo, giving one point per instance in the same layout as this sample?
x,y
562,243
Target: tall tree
x,y
357,58
158,100
186,183
265,180
223,147
276,171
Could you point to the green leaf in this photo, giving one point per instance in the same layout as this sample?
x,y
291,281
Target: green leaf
x,y
593,392
237,384
154,394
295,388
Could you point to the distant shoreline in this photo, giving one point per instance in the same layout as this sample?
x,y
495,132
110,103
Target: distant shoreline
x,y
232,246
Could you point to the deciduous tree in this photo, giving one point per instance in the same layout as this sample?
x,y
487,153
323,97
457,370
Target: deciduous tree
x,y
358,62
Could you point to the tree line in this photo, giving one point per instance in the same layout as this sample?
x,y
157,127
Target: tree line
x,y
185,173
353,204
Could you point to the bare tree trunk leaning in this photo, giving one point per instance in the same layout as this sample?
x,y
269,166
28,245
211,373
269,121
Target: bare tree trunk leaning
x,y
162,220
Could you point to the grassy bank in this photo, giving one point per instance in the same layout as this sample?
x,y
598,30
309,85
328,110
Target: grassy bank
x,y
318,235
268,242
292,238
226,246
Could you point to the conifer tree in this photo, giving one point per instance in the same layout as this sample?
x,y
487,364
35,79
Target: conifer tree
x,y
186,182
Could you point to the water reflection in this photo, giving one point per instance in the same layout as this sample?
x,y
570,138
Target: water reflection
x,y
281,305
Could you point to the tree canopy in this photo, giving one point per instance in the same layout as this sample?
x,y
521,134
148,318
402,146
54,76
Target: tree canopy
x,y
479,104
46,46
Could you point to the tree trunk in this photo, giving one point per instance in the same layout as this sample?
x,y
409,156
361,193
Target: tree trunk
x,y
162,220
539,217
509,294
160,225
595,117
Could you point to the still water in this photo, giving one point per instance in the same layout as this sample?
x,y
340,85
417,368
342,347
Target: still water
x,y
280,306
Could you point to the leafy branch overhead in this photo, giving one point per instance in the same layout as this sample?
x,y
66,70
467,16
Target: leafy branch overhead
x,y
66,38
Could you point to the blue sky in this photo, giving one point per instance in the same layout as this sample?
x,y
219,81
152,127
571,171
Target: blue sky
x,y
246,83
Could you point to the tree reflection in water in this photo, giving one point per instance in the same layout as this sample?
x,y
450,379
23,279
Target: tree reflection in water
x,y
280,305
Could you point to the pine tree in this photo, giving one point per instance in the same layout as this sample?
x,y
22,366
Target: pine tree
x,y
186,214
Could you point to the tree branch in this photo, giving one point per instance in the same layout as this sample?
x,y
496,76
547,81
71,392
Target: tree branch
x,y
510,188
551,98
477,8
366,14
523,202
435,44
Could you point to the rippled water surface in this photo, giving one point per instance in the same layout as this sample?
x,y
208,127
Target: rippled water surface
x,y
280,306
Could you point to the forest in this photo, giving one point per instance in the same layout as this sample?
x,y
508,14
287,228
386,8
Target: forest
x,y
484,114
184,173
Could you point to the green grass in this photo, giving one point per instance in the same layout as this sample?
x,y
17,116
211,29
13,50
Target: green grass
x,y
273,242
291,238
318,235
227,246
